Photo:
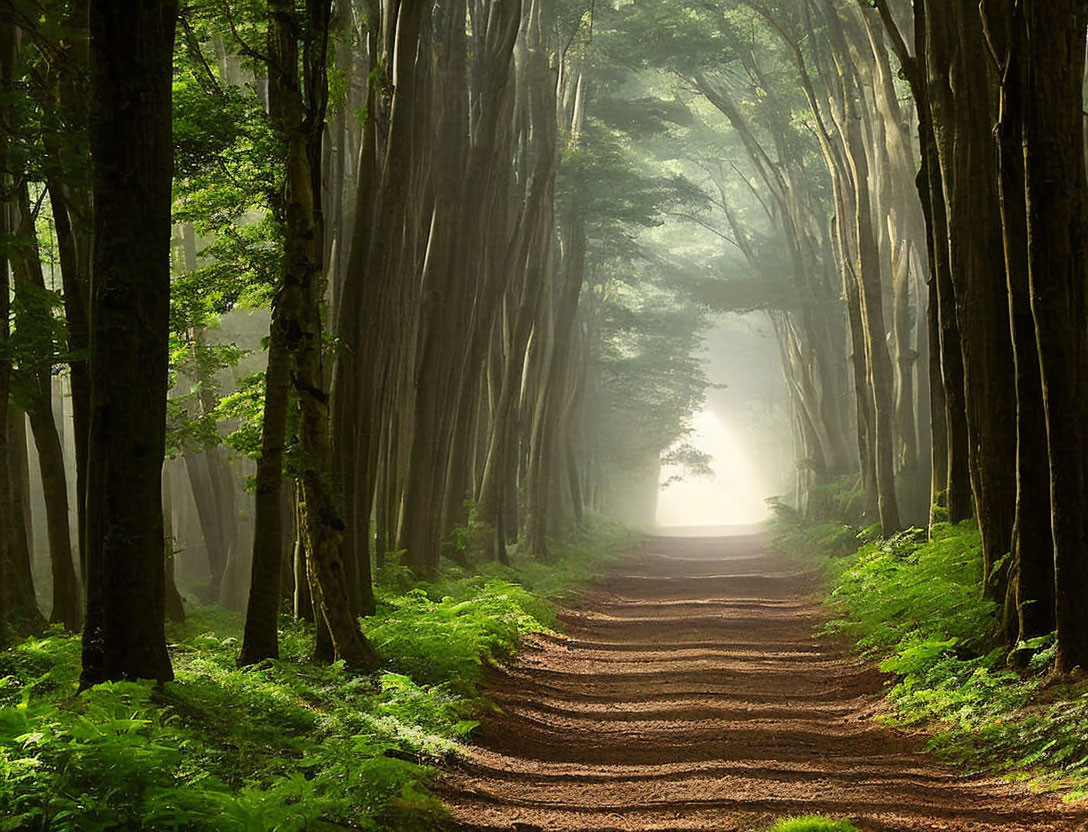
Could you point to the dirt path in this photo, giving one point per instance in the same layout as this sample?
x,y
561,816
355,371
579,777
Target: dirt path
x,y
691,694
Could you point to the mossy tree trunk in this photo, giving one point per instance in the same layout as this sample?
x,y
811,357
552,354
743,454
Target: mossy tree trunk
x,y
299,311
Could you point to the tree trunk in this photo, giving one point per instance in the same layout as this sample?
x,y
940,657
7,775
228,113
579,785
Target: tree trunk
x,y
1029,599
301,299
34,315
10,592
132,147
261,638
69,189
175,607
66,606
872,321
207,510
20,600
1057,233
963,100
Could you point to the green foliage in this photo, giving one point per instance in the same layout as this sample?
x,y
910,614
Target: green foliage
x,y
907,592
915,604
285,745
809,540
227,186
570,564
244,408
812,823
448,630
273,747
451,638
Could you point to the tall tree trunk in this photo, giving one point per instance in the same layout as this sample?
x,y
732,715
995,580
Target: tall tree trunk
x,y
927,72
963,100
866,272
1057,232
9,593
69,186
132,148
66,605
34,315
301,301
1029,600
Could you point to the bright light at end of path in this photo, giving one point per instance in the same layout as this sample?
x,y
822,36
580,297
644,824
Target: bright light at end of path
x,y
734,496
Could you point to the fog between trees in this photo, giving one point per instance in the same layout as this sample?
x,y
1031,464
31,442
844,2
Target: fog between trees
x,y
399,283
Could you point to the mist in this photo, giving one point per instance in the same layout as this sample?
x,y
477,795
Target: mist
x,y
740,427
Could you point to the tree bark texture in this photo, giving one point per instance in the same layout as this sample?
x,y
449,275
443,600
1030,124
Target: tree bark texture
x,y
123,636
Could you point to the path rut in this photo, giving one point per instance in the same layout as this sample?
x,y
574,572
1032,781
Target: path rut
x,y
690,692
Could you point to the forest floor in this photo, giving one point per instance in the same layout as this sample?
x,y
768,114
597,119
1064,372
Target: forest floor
x,y
692,692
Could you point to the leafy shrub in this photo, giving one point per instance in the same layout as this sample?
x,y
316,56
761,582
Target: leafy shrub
x,y
452,638
914,594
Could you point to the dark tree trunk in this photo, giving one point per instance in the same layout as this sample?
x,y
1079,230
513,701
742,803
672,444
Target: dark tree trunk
x,y
18,587
66,605
299,309
1057,233
261,638
9,593
132,147
69,189
963,102
927,73
1029,599
33,314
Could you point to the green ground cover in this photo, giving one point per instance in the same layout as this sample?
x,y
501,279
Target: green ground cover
x,y
288,744
812,823
912,603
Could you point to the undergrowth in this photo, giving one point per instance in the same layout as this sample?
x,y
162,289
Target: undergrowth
x,y
914,603
286,745
813,823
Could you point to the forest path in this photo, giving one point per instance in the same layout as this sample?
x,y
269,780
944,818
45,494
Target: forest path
x,y
690,693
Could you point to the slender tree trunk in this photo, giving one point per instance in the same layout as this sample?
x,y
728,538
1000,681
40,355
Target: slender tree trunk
x,y
301,302
69,189
878,361
66,606
1029,599
10,593
927,71
33,313
175,607
131,144
74,220
963,102
261,638
303,599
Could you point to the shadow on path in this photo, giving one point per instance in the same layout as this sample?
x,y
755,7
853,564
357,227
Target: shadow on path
x,y
691,693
